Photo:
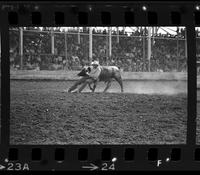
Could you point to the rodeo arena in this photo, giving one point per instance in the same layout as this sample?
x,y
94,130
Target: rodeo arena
x,y
98,85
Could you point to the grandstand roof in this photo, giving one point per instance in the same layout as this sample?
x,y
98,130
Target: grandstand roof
x,y
162,30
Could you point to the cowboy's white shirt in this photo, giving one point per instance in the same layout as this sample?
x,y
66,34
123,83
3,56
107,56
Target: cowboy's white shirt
x,y
95,72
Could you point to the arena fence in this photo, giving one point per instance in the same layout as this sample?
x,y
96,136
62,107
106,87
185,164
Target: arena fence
x,y
72,75
55,50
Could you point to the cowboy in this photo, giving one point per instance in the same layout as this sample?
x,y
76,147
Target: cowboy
x,y
92,77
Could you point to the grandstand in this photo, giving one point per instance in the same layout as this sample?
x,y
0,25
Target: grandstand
x,y
136,50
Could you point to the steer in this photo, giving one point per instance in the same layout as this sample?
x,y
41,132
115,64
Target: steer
x,y
107,74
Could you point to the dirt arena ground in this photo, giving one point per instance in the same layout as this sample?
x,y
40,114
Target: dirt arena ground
x,y
42,112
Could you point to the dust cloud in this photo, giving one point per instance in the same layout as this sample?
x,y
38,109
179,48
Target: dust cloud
x,y
164,87
156,87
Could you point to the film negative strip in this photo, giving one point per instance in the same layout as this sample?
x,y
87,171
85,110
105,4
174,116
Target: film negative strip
x,y
104,86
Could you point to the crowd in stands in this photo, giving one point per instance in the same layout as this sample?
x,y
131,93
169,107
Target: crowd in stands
x,y
71,51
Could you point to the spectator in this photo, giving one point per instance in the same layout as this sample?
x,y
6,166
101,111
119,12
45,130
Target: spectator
x,y
129,53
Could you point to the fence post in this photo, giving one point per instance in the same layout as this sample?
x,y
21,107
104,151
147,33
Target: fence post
x,y
110,41
90,44
107,49
186,43
124,28
152,40
79,41
52,41
143,44
117,34
21,46
177,63
65,33
149,47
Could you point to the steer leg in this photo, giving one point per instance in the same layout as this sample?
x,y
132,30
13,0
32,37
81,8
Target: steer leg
x,y
107,86
94,86
119,80
91,88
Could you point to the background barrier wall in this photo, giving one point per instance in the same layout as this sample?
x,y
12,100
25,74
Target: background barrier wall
x,y
72,75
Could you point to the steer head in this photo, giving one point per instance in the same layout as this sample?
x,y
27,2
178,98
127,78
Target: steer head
x,y
84,71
